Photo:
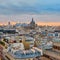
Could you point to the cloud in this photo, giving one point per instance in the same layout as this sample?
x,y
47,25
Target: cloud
x,y
40,10
46,19
29,6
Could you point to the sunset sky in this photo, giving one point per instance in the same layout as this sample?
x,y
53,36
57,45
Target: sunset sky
x,y
44,12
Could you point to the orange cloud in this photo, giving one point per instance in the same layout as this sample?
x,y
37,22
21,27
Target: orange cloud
x,y
13,23
49,23
39,23
2,23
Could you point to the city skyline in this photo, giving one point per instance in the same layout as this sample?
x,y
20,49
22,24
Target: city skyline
x,y
44,12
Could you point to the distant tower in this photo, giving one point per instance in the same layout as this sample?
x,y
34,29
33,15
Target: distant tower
x,y
32,24
9,23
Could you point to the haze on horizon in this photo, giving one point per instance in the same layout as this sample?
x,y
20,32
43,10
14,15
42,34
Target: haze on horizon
x,y
44,12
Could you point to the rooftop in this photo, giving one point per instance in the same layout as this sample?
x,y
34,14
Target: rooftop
x,y
22,54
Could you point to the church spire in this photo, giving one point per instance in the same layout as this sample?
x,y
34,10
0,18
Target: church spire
x,y
32,24
32,20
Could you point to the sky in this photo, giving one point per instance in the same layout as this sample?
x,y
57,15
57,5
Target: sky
x,y
44,12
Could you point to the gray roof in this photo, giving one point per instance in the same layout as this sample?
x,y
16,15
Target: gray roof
x,y
28,54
